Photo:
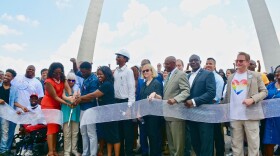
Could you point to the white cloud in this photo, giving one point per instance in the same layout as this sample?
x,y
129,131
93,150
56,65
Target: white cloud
x,y
213,37
70,48
20,18
194,7
6,16
19,65
61,4
133,18
14,47
25,19
5,30
65,51
105,34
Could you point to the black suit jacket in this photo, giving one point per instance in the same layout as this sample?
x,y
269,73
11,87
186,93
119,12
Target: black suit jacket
x,y
203,89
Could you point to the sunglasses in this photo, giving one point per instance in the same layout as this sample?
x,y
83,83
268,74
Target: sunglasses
x,y
240,61
73,81
144,71
57,73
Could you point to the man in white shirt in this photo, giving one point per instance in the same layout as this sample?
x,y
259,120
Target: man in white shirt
x,y
26,86
245,88
218,130
124,86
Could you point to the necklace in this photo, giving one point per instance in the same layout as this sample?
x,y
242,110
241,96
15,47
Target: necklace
x,y
56,81
148,82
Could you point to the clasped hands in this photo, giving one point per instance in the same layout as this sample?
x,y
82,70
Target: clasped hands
x,y
75,100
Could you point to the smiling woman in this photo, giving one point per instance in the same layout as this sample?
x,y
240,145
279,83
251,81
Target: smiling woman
x,y
272,125
54,87
151,89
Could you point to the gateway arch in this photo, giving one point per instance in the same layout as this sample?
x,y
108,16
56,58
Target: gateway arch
x,y
266,33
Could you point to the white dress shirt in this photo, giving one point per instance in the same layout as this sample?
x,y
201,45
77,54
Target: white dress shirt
x,y
219,87
124,84
192,77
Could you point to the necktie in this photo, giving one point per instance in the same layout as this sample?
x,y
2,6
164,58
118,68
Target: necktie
x,y
167,79
168,76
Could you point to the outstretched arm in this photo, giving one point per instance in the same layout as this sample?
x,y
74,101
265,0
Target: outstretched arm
x,y
259,65
75,67
89,97
51,91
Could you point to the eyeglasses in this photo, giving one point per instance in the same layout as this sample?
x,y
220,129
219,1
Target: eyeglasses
x,y
144,71
73,81
240,61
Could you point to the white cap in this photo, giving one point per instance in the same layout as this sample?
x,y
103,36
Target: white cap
x,y
123,52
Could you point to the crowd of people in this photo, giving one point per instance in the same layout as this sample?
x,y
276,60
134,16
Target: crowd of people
x,y
82,89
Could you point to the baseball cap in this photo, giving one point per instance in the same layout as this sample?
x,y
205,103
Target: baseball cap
x,y
123,52
32,95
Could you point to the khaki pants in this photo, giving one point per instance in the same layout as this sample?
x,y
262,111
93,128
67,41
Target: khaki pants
x,y
251,128
175,132
70,138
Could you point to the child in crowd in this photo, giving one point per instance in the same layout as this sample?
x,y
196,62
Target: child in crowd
x,y
27,130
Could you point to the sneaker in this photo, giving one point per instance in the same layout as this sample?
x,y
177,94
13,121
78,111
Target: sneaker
x,y
28,153
277,152
229,154
23,151
76,153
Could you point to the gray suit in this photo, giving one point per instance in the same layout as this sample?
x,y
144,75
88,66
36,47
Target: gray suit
x,y
257,91
177,87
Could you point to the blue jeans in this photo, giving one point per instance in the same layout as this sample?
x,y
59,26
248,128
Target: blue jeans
x,y
7,130
89,138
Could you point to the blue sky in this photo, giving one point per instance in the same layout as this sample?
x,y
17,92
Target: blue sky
x,y
41,32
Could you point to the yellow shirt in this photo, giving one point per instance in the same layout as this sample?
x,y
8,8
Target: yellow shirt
x,y
265,79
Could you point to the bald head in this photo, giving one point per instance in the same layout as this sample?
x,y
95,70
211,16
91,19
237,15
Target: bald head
x,y
194,57
171,59
170,63
253,65
30,71
195,62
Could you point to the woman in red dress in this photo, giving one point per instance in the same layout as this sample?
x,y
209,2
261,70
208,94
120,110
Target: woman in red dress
x,y
54,86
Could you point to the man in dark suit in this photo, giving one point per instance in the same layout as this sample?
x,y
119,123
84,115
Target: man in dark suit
x,y
203,91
